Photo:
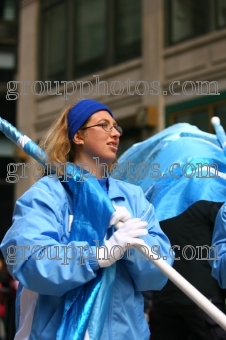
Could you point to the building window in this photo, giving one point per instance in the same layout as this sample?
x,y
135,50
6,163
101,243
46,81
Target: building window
x,y
8,10
54,37
189,19
79,37
90,36
200,116
221,13
7,60
127,29
8,39
7,63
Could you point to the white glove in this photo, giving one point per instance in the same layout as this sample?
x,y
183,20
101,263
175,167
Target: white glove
x,y
125,236
120,214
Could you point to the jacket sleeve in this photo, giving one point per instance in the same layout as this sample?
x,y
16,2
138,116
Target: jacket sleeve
x,y
38,253
145,274
218,248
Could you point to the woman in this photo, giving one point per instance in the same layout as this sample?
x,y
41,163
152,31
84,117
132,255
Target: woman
x,y
69,294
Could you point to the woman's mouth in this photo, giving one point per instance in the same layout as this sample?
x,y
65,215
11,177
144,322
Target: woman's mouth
x,y
113,146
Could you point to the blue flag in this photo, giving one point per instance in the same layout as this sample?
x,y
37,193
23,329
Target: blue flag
x,y
177,167
85,307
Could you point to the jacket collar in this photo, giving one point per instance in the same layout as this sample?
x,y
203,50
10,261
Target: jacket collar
x,y
114,191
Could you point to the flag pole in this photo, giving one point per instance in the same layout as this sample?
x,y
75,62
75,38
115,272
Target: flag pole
x,y
193,293
219,132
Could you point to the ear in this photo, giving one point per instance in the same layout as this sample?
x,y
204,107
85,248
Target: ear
x,y
78,138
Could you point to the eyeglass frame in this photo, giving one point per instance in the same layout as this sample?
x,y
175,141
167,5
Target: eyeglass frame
x,y
102,125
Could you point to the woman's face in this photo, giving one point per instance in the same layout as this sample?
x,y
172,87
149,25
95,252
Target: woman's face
x,y
96,142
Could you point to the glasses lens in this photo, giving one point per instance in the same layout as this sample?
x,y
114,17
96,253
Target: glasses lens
x,y
106,127
119,129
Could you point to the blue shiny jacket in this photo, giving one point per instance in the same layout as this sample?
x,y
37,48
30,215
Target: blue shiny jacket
x,y
218,253
41,219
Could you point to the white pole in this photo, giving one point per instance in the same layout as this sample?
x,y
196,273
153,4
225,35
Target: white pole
x,y
193,293
210,309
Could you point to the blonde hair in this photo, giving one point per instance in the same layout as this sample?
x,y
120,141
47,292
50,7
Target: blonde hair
x,y
56,142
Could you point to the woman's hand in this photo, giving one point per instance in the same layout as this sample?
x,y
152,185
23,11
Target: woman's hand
x,y
126,236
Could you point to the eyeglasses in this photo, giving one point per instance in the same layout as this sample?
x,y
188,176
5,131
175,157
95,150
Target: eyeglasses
x,y
107,127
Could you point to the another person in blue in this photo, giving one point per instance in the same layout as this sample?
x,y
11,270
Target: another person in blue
x,y
48,279
182,318
219,243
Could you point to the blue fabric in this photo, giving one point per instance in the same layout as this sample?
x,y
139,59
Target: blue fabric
x,y
51,203
104,184
220,133
163,182
81,111
219,242
87,225
173,191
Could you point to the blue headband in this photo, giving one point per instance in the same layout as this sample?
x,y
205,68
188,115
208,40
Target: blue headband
x,y
81,111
